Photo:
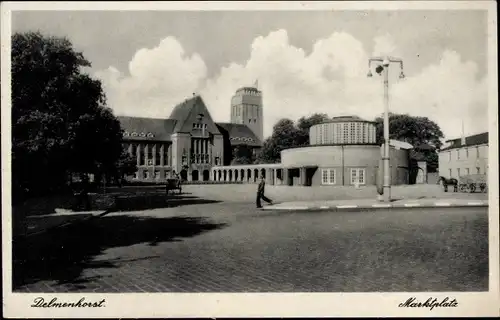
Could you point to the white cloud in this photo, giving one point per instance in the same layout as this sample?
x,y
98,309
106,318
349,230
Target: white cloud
x,y
331,79
158,79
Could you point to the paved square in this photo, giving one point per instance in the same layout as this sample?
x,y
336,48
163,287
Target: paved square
x,y
233,247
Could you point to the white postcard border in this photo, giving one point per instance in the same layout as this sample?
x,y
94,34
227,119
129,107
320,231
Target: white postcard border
x,y
125,305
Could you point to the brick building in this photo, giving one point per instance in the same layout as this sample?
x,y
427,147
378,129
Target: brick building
x,y
189,142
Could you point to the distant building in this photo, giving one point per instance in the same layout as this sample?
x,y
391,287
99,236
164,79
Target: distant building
x,y
342,152
189,142
463,156
247,109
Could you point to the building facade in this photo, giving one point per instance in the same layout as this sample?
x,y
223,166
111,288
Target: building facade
x,y
188,143
464,156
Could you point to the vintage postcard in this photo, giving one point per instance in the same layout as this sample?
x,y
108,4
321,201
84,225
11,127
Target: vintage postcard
x,y
249,159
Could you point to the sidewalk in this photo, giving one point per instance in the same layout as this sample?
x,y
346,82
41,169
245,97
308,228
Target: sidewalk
x,y
34,225
373,204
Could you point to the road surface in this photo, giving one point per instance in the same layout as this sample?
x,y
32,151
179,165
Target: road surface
x,y
233,247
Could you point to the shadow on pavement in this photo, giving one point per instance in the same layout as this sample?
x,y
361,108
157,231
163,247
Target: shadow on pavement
x,y
140,202
63,253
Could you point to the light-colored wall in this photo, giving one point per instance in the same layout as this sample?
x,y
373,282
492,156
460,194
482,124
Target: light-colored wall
x,y
455,159
345,158
180,142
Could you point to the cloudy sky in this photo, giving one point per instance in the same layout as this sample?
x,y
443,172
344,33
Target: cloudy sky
x,y
305,61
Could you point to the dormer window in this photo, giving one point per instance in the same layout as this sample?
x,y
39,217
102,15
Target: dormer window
x,y
150,135
142,135
126,134
134,134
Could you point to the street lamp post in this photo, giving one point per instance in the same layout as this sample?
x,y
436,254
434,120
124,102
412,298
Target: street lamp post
x,y
383,67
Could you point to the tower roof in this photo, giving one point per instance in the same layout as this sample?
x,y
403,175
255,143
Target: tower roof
x,y
252,89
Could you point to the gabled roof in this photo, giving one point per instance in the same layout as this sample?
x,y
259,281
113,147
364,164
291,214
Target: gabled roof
x,y
474,140
400,144
182,110
137,128
239,134
186,112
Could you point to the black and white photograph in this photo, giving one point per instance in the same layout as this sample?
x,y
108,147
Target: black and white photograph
x,y
250,159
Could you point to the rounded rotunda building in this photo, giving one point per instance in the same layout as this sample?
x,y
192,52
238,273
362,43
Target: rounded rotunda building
x,y
343,151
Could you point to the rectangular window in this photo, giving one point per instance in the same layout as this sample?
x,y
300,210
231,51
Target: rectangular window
x,y
477,152
466,153
158,155
328,176
449,173
449,156
458,154
458,172
332,176
157,174
358,175
133,150
165,155
145,174
467,171
140,151
478,170
149,154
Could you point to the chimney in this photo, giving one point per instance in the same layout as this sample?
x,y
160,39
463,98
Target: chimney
x,y
462,140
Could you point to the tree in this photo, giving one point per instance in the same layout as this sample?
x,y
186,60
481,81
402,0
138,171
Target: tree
x,y
126,165
420,132
303,124
60,124
243,154
285,135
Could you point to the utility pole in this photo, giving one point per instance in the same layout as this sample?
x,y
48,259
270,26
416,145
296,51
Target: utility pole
x,y
383,67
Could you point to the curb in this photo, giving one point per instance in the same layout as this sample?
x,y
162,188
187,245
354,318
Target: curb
x,y
32,234
440,204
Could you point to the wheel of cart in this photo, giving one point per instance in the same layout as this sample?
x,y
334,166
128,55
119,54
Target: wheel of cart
x,y
463,187
470,183
483,187
472,187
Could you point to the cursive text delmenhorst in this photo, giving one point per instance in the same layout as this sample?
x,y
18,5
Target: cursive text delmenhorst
x,y
429,303
41,303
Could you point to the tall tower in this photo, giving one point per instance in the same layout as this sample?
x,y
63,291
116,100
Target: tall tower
x,y
246,108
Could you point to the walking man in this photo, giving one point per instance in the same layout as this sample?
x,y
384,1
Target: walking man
x,y
260,193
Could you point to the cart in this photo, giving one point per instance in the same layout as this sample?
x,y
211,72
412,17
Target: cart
x,y
173,184
472,183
